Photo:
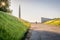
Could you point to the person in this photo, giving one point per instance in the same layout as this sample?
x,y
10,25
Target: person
x,y
36,22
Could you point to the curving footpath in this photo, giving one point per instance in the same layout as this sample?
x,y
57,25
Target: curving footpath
x,y
44,32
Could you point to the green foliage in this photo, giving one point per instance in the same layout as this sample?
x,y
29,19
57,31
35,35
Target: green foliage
x,y
11,28
4,6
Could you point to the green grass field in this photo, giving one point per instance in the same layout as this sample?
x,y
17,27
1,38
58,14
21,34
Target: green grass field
x,y
11,28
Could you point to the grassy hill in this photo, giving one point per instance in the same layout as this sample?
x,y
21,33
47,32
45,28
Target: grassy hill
x,y
11,28
25,22
55,21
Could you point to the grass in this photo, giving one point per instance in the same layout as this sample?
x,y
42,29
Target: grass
x,y
25,22
11,28
55,21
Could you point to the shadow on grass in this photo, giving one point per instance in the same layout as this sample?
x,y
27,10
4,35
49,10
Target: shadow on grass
x,y
25,35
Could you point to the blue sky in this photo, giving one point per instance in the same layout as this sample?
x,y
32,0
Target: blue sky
x,y
33,10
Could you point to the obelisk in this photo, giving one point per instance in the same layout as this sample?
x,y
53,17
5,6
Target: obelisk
x,y
19,12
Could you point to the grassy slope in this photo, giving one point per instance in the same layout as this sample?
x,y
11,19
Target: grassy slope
x,y
25,22
55,21
11,28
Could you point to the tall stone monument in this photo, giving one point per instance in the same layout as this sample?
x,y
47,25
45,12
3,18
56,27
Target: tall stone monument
x,y
19,12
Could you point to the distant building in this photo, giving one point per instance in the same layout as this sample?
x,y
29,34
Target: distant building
x,y
44,19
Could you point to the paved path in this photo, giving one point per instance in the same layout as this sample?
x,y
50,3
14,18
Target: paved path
x,y
45,32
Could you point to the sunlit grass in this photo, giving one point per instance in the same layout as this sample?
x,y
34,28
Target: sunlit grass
x,y
55,21
11,28
25,22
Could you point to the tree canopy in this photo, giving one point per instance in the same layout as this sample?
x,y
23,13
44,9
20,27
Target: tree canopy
x,y
4,5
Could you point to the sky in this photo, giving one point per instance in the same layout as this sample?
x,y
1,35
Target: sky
x,y
33,10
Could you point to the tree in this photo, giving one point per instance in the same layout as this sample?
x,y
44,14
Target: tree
x,y
4,5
